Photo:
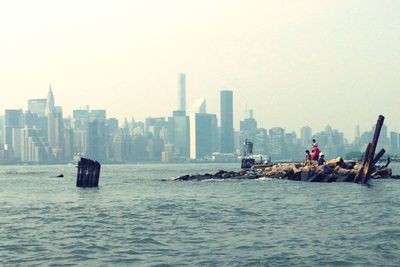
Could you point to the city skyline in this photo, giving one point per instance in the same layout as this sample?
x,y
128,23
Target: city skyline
x,y
294,64
36,103
90,131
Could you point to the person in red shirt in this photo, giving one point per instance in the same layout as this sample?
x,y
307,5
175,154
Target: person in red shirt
x,y
316,151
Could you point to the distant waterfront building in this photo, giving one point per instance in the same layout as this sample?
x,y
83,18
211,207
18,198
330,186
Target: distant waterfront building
x,y
168,154
50,113
182,92
121,146
112,126
276,144
330,142
306,136
68,144
13,119
80,141
155,126
96,140
178,133
394,143
32,147
98,114
248,125
260,141
37,106
227,132
80,118
203,134
248,130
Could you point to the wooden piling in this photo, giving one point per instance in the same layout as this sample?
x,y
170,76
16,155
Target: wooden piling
x,y
360,172
88,173
97,176
364,173
368,165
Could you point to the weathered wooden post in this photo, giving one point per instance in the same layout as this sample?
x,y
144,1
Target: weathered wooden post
x,y
360,172
366,167
82,167
88,173
97,176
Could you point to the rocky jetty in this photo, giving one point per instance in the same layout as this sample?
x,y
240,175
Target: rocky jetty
x,y
221,174
333,171
336,170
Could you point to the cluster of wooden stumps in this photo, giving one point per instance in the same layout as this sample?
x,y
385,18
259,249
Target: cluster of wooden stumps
x,y
369,160
334,171
88,173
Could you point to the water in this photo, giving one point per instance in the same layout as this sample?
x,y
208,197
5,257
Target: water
x,y
134,219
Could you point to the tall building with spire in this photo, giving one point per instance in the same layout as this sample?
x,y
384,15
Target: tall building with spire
x,y
49,101
51,122
55,127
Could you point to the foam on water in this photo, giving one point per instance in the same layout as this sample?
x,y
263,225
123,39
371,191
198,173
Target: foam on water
x,y
134,218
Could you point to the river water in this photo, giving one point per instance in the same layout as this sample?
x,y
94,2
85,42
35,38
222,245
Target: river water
x,y
135,219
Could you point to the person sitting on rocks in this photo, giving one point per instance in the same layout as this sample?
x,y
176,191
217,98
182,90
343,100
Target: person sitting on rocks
x,y
321,160
340,162
307,161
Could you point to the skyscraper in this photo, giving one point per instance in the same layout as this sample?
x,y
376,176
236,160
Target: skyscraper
x,y
49,101
178,132
394,143
50,113
227,140
276,147
305,136
203,128
182,92
12,120
37,106
96,140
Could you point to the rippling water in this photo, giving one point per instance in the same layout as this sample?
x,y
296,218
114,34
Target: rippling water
x,y
133,218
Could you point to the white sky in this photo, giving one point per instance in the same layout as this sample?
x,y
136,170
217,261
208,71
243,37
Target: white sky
x,y
295,63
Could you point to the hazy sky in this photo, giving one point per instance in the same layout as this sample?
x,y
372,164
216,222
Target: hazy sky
x,y
295,63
